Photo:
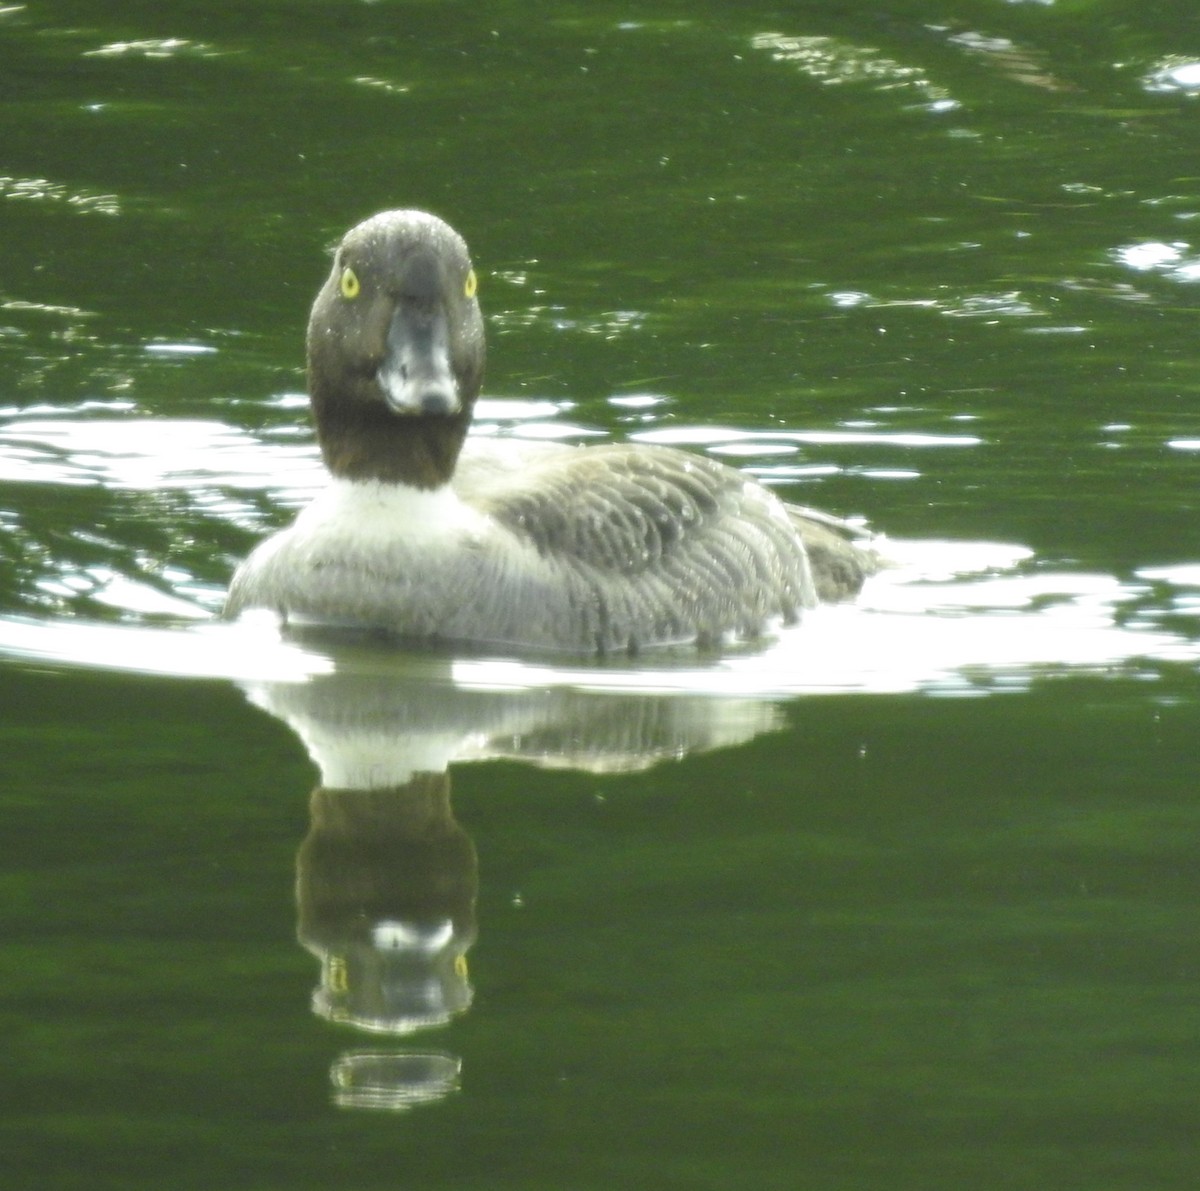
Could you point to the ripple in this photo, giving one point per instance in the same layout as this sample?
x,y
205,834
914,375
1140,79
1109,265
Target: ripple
x,y
639,400
536,419
44,308
179,349
1182,575
43,190
1017,62
149,454
956,618
384,85
1174,260
608,324
712,436
1175,74
833,62
945,618
515,409
156,47
108,586
1010,304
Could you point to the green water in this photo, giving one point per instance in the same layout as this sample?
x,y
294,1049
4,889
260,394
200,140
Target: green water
x,y
935,265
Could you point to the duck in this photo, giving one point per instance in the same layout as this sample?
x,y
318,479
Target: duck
x,y
426,534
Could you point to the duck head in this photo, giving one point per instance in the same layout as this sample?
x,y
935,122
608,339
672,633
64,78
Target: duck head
x,y
395,351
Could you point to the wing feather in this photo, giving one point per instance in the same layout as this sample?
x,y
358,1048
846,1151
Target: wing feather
x,y
670,546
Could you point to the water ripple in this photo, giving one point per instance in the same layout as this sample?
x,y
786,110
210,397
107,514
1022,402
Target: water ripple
x,y
156,47
1174,260
1174,74
946,618
834,62
45,191
711,436
153,454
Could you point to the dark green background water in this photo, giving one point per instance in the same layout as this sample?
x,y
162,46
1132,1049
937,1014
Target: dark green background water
x,y
902,941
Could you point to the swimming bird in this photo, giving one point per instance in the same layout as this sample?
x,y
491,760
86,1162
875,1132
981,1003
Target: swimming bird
x,y
424,533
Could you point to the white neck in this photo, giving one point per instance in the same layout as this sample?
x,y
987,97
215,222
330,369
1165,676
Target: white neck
x,y
373,507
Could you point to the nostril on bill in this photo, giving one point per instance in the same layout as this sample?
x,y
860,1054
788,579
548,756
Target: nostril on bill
x,y
438,401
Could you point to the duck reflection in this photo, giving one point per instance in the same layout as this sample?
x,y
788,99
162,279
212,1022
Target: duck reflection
x,y
387,879
385,891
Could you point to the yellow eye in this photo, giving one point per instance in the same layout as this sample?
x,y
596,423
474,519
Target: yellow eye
x,y
350,285
472,284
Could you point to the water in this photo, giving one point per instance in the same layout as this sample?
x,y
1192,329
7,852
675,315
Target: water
x,y
905,900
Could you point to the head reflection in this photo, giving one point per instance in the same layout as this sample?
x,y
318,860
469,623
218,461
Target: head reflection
x,y
385,890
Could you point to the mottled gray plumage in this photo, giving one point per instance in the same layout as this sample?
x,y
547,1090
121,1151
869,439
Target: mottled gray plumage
x,y
605,548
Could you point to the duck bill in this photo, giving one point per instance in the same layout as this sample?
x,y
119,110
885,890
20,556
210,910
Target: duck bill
x,y
415,376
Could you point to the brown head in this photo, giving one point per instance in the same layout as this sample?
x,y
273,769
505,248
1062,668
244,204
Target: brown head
x,y
396,351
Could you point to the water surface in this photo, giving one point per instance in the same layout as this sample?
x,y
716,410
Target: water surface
x,y
905,900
